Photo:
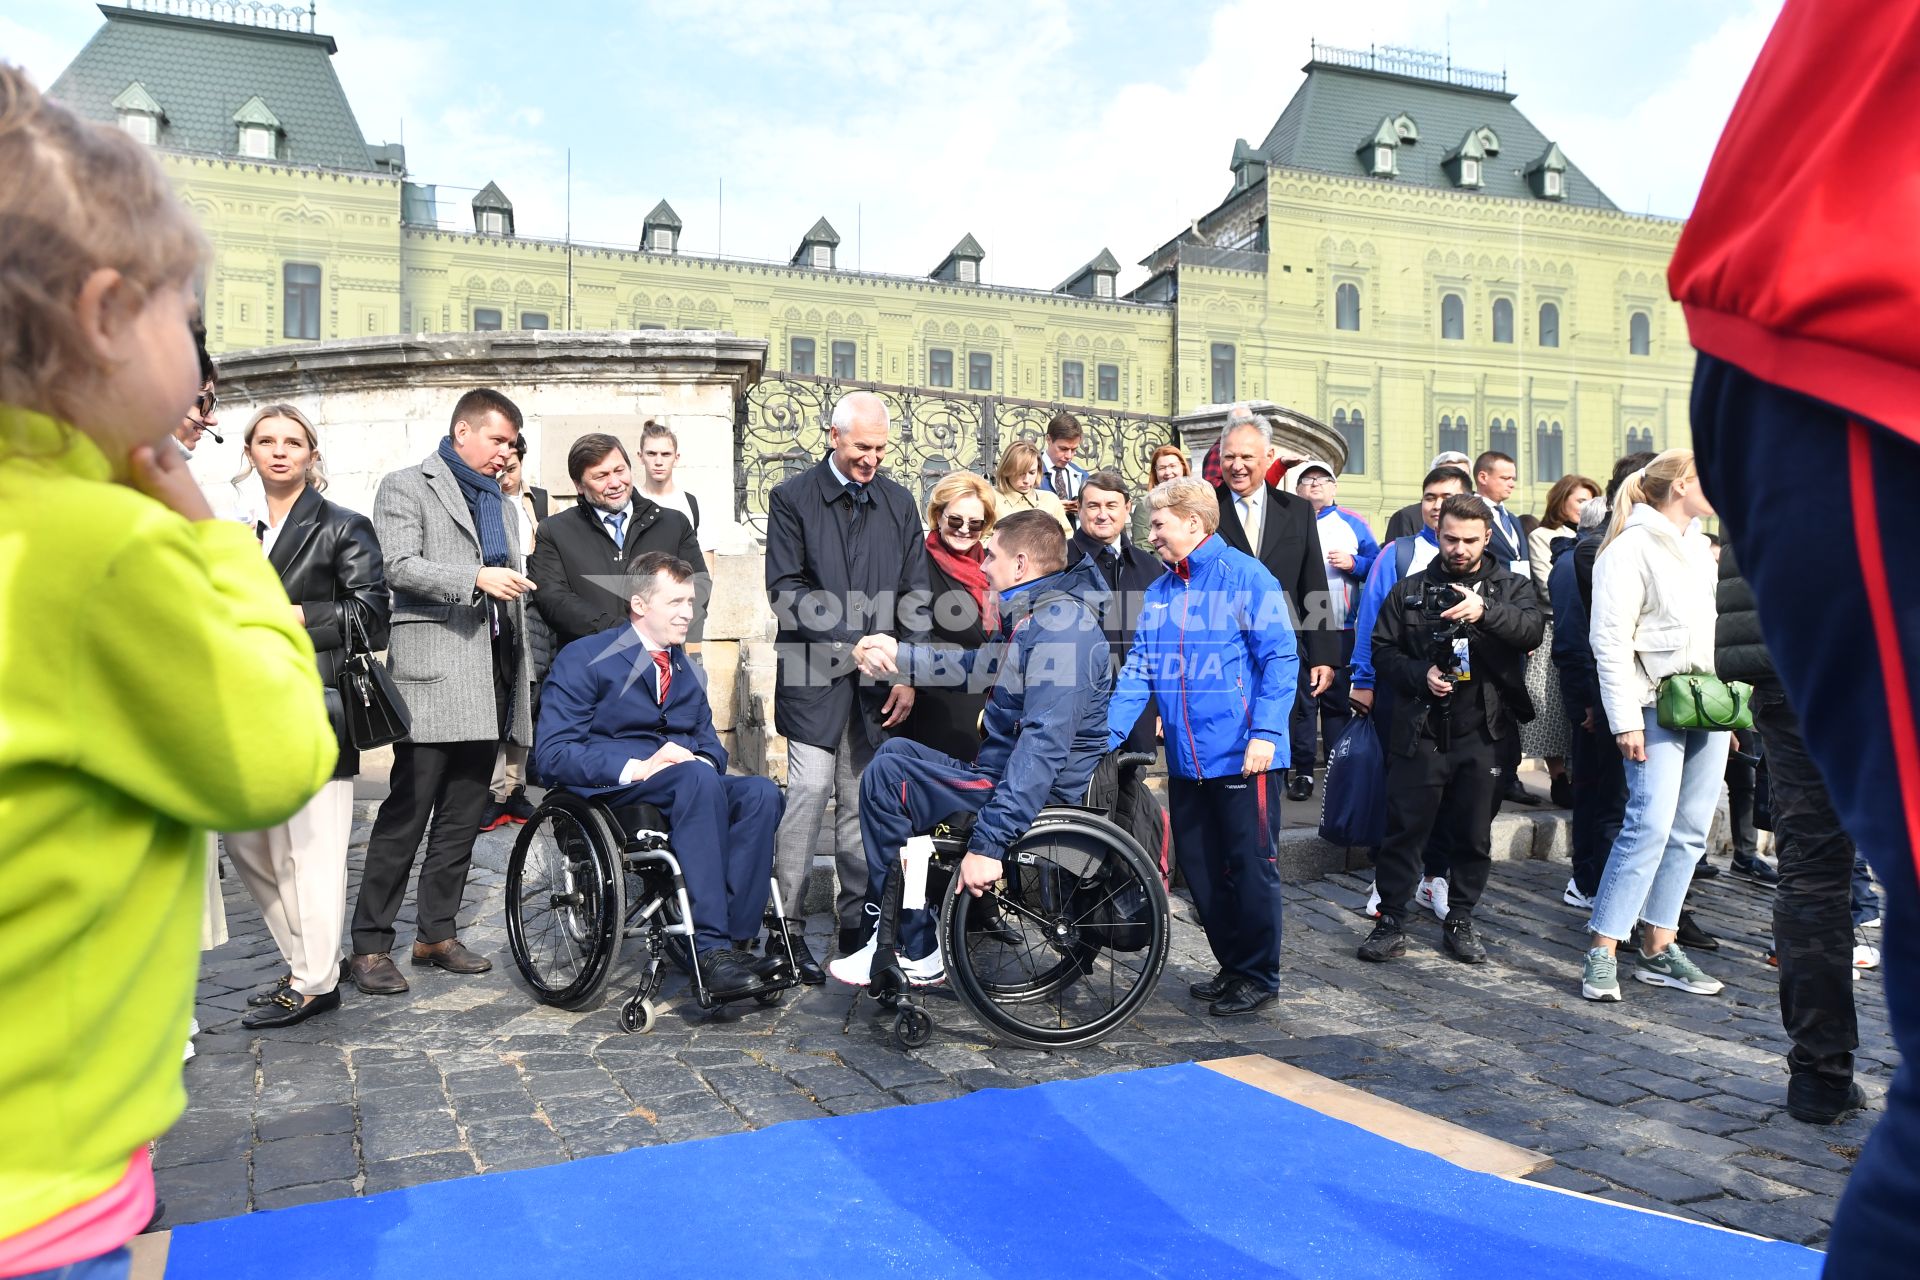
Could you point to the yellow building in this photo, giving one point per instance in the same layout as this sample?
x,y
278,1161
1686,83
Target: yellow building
x,y
1404,256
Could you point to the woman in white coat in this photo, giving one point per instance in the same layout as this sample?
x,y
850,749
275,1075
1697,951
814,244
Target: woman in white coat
x,y
1653,617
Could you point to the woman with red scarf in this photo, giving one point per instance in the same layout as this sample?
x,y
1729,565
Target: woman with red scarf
x,y
960,514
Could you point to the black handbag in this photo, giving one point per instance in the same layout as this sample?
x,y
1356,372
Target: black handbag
x,y
377,715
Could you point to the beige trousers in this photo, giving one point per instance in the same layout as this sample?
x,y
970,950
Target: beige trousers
x,y
297,872
213,907
509,771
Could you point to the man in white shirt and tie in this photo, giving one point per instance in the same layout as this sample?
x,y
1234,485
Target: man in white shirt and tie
x,y
1495,476
1064,477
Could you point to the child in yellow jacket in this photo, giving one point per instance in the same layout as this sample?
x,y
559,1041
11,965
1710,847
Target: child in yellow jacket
x,y
153,683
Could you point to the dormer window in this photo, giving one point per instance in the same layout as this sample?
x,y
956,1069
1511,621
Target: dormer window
x,y
1469,173
493,222
1102,285
1554,185
1466,163
1383,160
1548,175
822,257
259,132
1379,153
967,272
138,114
660,232
662,240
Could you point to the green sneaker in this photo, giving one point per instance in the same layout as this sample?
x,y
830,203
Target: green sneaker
x,y
1672,968
1601,980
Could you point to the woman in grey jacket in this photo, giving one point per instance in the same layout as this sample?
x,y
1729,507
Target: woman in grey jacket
x,y
1653,617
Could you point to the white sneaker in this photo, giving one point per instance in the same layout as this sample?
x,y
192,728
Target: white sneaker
x,y
1866,957
856,970
929,970
1872,924
1373,903
192,1031
1433,896
1574,898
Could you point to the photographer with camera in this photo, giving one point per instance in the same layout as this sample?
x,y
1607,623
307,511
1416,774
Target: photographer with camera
x,y
1452,643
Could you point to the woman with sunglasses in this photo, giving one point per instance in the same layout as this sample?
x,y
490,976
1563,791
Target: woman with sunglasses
x,y
960,512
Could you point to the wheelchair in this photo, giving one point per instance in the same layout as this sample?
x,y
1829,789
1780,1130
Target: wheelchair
x,y
1058,955
583,877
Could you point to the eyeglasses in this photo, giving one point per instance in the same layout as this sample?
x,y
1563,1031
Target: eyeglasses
x,y
203,404
959,524
1314,482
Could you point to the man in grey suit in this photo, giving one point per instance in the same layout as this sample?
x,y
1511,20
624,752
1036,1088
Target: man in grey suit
x,y
458,653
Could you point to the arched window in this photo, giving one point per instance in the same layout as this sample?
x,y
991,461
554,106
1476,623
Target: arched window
x,y
1640,440
1549,325
1503,320
1639,334
1503,437
1548,464
1353,429
1453,435
1346,307
1453,317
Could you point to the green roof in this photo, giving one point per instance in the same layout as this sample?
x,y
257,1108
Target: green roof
x,y
662,216
492,197
1333,114
821,232
202,72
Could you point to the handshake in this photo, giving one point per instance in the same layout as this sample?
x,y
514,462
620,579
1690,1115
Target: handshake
x,y
877,656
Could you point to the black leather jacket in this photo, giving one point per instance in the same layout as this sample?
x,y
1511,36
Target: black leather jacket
x,y
1507,632
329,561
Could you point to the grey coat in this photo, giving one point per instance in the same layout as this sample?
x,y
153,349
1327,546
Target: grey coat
x,y
439,651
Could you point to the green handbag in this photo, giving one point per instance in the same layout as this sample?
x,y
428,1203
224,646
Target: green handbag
x,y
1698,700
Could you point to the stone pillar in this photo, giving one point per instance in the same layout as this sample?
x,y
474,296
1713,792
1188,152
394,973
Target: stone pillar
x,y
1294,433
384,403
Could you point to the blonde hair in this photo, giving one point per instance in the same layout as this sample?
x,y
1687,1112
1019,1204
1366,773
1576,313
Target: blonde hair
x,y
1188,496
78,198
316,470
956,485
1021,456
1652,484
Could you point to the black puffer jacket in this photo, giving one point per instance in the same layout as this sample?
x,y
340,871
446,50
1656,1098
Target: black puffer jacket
x,y
1739,650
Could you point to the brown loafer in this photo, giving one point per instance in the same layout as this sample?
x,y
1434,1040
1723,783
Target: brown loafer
x,y
376,975
451,956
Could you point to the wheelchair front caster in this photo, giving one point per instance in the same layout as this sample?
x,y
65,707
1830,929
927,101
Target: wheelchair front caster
x,y
912,1027
767,999
636,1017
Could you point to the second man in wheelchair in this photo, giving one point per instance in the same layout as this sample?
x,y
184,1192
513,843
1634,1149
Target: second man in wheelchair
x,y
1043,730
624,717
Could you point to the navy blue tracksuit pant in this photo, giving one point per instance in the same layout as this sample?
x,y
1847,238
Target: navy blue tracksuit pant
x,y
722,828
907,790
1842,622
1226,831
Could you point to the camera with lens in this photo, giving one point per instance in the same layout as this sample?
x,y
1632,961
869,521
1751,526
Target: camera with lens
x,y
1437,597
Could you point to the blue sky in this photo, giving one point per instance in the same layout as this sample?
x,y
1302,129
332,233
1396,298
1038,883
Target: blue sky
x,y
1046,128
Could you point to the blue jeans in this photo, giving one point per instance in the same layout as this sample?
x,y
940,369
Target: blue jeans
x,y
108,1266
1866,903
1671,796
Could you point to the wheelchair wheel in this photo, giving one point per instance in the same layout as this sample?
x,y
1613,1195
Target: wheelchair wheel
x,y
566,906
912,1026
1079,933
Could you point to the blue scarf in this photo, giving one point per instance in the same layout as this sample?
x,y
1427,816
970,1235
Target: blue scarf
x,y
485,503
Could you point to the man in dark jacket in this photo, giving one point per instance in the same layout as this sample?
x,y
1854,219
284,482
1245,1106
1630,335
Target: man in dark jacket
x,y
580,556
1284,538
1045,727
1128,571
1596,765
1812,908
1458,672
1407,522
846,558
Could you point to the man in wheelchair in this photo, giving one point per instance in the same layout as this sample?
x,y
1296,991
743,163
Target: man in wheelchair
x,y
1043,729
624,718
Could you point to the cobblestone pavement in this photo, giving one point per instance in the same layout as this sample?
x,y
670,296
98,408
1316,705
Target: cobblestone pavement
x,y
1666,1100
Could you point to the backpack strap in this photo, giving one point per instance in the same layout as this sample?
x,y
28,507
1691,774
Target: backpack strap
x,y
693,504
1403,549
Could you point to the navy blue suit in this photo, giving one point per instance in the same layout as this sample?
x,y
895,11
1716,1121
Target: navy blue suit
x,y
599,709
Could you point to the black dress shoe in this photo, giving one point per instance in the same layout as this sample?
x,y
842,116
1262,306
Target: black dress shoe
x,y
1300,785
376,975
1561,791
290,1007
1812,1100
1517,793
805,965
1462,941
1691,936
1242,997
1387,942
1213,988
264,996
451,955
726,973
1704,870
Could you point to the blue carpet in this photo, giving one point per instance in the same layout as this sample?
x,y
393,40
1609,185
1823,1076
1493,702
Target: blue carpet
x,y
1176,1171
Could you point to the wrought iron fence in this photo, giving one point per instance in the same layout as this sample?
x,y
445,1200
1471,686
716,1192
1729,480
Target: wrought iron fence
x,y
783,423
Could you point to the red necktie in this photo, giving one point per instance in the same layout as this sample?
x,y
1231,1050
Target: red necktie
x,y
661,661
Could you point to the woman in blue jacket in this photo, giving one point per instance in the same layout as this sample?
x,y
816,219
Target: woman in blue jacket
x,y
1215,650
